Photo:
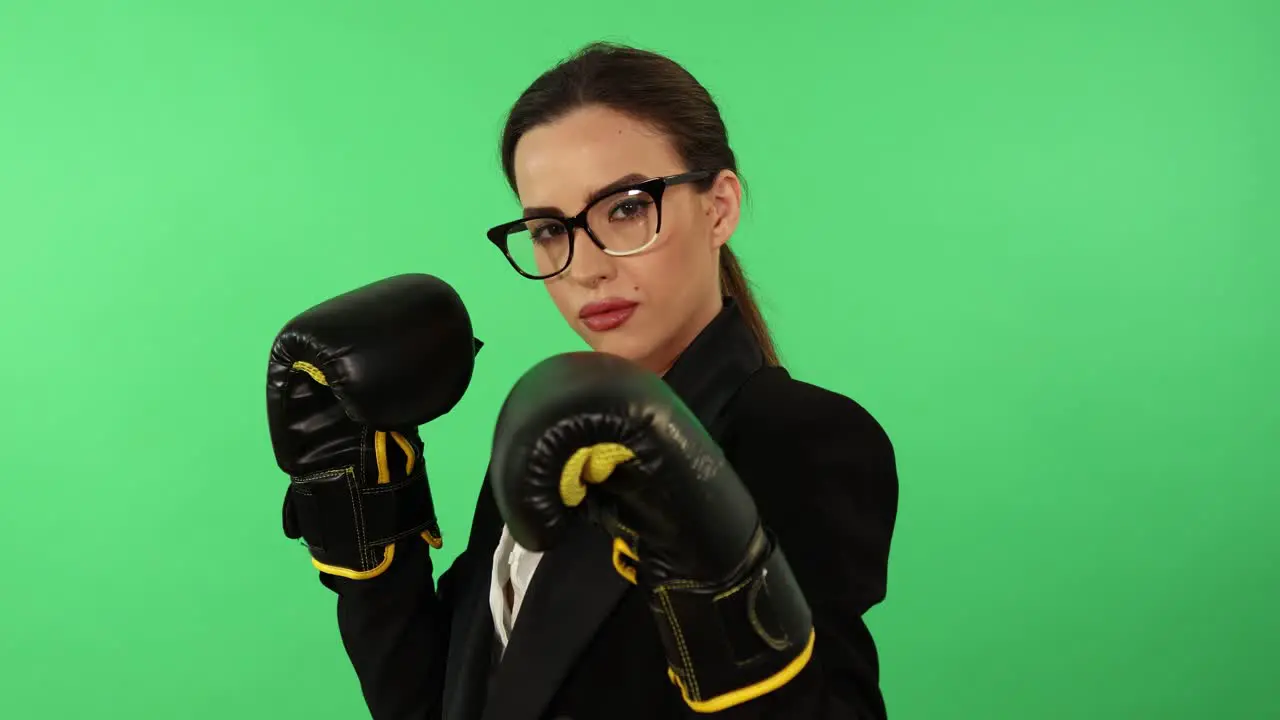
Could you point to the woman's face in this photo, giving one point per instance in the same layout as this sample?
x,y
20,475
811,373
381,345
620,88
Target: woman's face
x,y
655,302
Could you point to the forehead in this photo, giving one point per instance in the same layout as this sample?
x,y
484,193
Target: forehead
x,y
560,164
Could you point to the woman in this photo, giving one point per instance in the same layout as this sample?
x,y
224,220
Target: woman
x,y
631,196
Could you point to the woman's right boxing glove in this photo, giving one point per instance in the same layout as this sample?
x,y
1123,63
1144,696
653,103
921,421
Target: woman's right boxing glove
x,y
348,383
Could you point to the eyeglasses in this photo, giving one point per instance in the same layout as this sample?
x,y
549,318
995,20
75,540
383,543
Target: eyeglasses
x,y
623,222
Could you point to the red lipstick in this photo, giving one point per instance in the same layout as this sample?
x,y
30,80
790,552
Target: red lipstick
x,y
607,314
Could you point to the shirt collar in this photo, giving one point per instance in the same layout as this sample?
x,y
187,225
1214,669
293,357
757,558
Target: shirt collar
x,y
716,364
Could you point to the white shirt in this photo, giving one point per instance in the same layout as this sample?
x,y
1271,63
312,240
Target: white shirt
x,y
514,564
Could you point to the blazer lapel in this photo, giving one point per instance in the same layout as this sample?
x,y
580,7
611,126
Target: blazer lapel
x,y
715,366
573,591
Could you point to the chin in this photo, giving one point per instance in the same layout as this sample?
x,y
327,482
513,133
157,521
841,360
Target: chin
x,y
618,343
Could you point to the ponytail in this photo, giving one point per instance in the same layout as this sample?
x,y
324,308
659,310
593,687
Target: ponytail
x,y
734,283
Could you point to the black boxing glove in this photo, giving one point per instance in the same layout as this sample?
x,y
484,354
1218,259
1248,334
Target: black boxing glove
x,y
348,383
593,433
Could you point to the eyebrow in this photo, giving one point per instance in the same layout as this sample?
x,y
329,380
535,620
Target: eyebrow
x,y
622,182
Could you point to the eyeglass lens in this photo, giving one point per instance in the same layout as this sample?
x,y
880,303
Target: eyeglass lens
x,y
623,223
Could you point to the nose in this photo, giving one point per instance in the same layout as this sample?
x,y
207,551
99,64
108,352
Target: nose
x,y
590,265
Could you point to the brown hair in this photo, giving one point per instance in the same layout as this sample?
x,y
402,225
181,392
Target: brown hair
x,y
657,90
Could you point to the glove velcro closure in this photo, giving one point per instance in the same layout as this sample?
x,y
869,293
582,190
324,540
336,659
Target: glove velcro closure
x,y
350,528
726,647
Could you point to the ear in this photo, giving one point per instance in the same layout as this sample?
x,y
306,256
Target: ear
x,y
725,206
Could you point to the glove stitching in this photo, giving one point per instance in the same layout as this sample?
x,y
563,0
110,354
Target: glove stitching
x,y
357,507
678,634
685,585
753,615
354,492
732,591
331,473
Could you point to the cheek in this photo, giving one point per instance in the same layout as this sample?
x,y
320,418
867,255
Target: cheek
x,y
692,250
675,269
650,275
562,295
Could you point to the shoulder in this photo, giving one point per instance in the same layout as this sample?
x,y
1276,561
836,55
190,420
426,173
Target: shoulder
x,y
822,472
777,410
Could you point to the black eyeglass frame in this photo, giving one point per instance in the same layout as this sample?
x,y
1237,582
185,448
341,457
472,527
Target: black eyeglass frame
x,y
654,187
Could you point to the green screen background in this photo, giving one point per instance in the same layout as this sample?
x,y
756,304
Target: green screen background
x,y
1039,241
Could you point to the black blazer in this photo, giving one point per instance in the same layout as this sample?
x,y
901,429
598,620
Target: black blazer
x,y
585,647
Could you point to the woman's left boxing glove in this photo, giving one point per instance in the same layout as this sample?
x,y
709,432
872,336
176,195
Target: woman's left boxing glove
x,y
590,432
348,383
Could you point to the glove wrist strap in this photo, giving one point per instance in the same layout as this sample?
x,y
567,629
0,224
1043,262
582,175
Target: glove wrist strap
x,y
351,528
726,645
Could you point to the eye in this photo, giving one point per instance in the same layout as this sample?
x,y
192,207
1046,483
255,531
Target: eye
x,y
636,206
545,231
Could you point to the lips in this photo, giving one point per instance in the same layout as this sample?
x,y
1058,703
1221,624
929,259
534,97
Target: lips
x,y
608,314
